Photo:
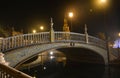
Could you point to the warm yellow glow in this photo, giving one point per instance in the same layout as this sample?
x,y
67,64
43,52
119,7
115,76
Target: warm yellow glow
x,y
103,1
41,28
119,34
70,14
34,31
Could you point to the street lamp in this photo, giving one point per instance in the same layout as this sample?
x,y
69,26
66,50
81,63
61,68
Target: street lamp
x,y
102,1
70,14
34,31
119,34
41,28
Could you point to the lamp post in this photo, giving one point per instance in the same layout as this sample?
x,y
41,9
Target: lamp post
x,y
34,31
70,14
41,27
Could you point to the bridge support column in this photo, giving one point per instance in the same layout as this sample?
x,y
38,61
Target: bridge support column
x,y
52,38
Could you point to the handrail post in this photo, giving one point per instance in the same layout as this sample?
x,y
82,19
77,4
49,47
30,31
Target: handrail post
x,y
52,37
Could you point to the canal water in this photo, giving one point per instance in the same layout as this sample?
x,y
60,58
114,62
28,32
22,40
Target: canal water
x,y
57,65
74,70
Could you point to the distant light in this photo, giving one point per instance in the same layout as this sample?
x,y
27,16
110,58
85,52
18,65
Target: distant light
x,y
103,1
51,53
41,28
91,10
70,14
34,31
44,68
101,4
119,34
51,57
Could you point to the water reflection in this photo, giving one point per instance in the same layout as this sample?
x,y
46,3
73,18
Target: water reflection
x,y
53,64
45,59
71,70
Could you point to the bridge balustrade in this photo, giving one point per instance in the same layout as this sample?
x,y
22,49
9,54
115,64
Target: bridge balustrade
x,y
9,72
97,42
44,37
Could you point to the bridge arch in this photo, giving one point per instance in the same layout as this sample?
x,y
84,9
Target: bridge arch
x,y
21,54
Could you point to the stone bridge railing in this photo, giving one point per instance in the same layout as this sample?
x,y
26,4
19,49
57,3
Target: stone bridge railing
x,y
9,72
44,37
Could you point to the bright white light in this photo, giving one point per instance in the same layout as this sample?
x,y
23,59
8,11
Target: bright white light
x,y
44,68
119,34
51,53
34,31
51,57
41,27
103,1
70,14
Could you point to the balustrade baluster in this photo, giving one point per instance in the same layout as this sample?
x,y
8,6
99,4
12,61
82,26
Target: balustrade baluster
x,y
21,40
31,39
28,39
9,42
3,46
40,37
25,40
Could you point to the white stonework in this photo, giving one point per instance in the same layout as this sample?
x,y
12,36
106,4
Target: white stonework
x,y
2,60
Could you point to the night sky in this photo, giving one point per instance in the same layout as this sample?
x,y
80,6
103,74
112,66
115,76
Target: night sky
x,y
30,14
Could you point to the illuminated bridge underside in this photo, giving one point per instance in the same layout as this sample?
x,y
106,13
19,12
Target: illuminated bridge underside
x,y
20,55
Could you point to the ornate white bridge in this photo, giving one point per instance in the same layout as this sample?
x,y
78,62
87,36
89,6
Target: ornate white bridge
x,y
19,48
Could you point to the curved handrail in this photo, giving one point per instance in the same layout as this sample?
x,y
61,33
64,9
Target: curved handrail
x,y
44,37
9,72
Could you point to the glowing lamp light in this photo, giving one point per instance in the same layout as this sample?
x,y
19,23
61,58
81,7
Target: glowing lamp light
x,y
44,68
41,28
70,14
51,53
51,57
103,1
119,34
34,31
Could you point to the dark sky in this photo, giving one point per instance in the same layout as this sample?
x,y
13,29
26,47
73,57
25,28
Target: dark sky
x,y
30,14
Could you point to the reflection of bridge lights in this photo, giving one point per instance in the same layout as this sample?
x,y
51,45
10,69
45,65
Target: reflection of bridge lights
x,y
51,57
44,68
51,53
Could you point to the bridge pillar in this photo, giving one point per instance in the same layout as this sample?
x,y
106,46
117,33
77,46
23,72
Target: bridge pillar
x,y
52,38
